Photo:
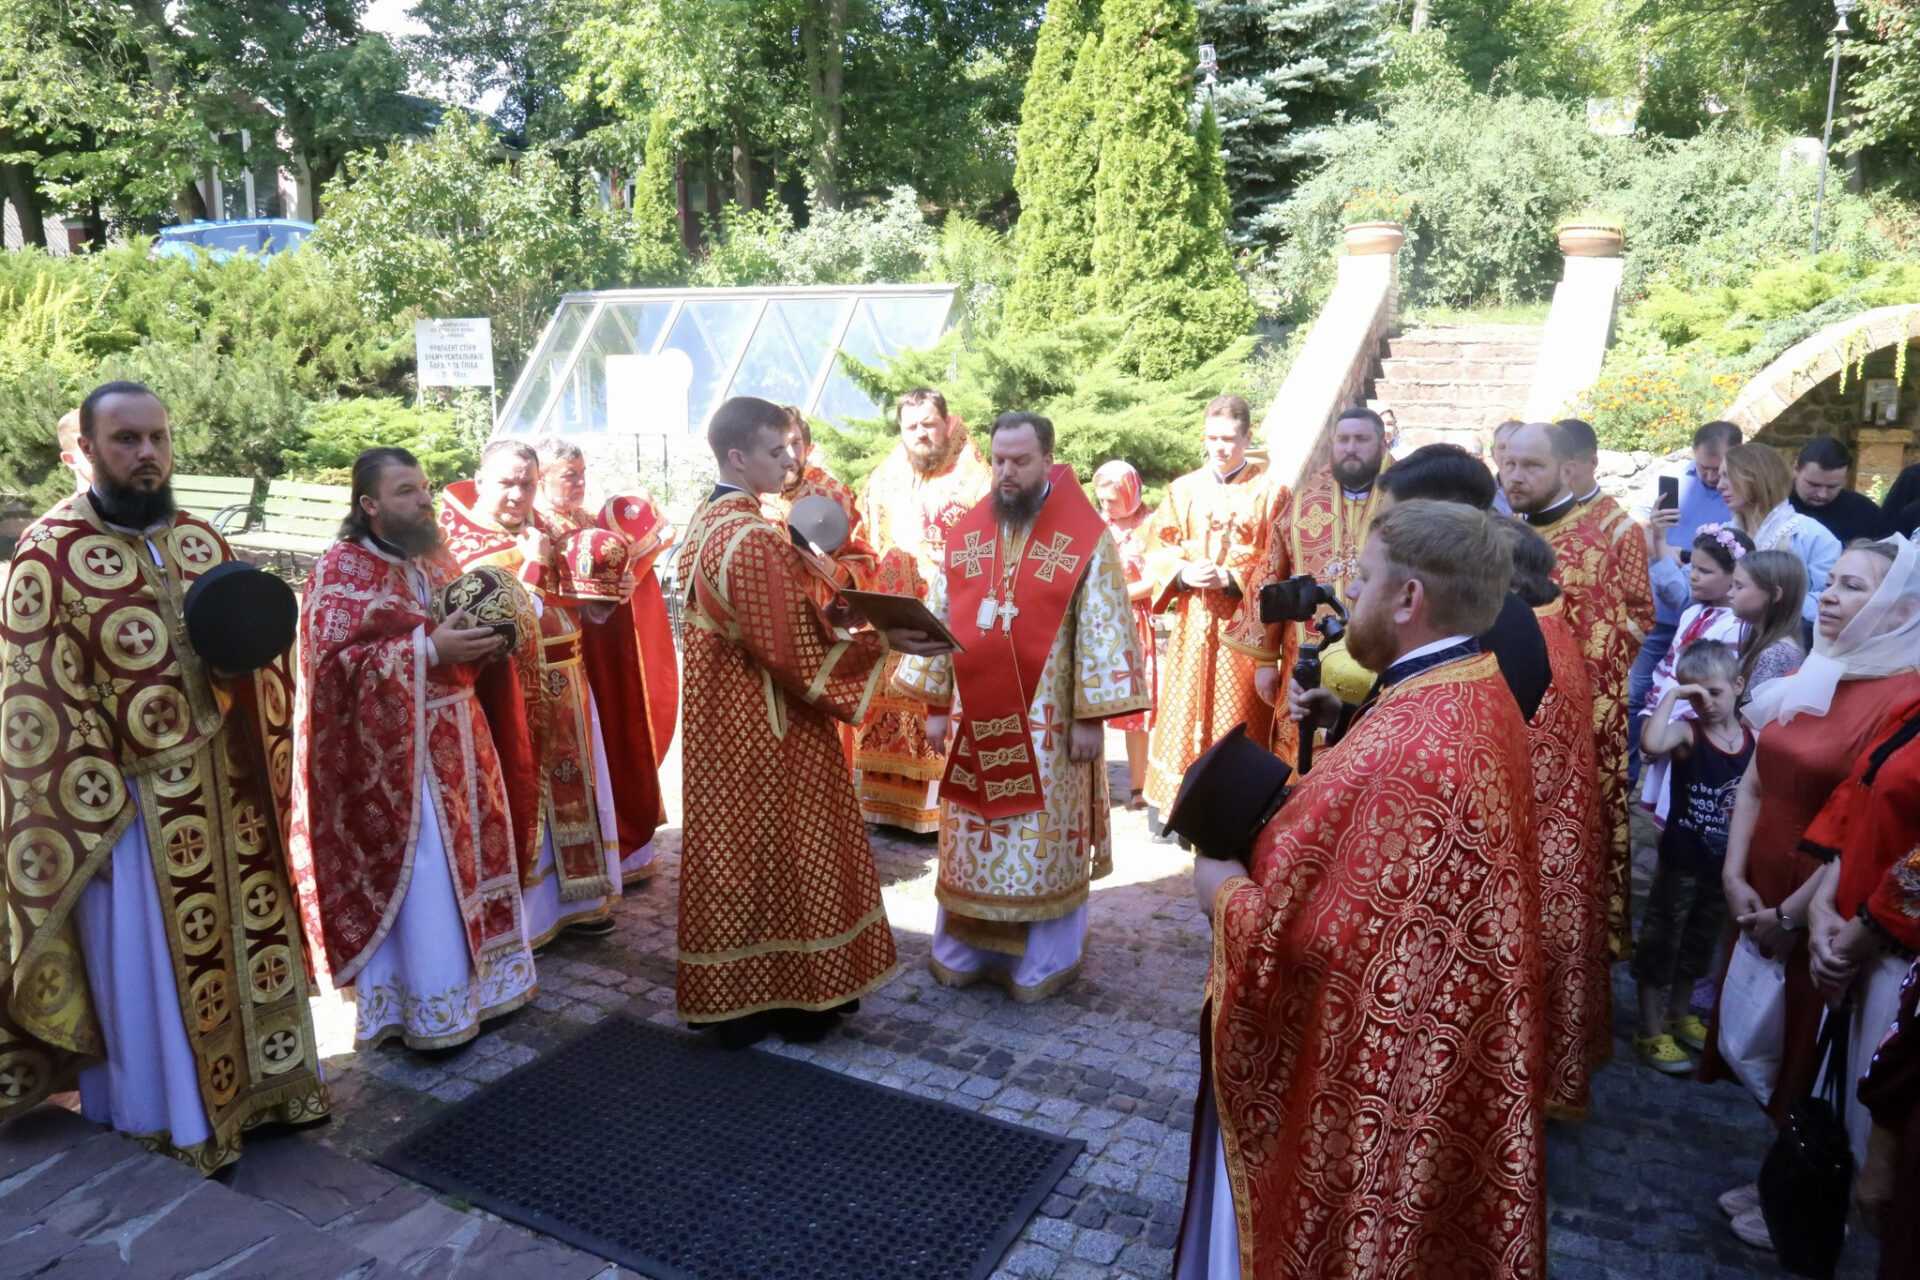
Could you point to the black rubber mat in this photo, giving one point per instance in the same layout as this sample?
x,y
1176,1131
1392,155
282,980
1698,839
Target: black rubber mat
x,y
669,1155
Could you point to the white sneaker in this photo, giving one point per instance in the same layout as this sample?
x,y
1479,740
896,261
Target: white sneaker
x,y
1740,1200
1751,1228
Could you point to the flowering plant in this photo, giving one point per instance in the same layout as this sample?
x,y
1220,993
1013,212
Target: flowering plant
x,y
1375,204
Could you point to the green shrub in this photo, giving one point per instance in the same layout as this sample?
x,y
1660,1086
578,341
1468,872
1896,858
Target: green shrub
x,y
888,243
338,430
1655,402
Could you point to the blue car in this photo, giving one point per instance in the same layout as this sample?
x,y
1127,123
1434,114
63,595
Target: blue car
x,y
221,240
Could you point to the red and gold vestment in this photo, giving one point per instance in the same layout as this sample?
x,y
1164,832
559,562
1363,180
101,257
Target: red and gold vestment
x,y
108,718
1023,827
538,711
1206,684
1375,1041
856,562
372,722
1602,570
906,517
634,673
1319,532
1573,914
779,899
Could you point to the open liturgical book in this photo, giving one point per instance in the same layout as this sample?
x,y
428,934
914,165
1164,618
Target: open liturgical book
x,y
885,610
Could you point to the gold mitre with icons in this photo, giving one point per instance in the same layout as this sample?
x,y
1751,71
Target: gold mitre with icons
x,y
491,597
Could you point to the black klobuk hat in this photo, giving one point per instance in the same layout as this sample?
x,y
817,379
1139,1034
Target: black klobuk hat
x,y
1227,796
240,618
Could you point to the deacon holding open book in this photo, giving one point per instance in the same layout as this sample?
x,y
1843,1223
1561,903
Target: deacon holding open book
x,y
1034,589
781,924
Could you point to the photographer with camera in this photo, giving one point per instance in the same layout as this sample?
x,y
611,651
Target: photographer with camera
x,y
1383,917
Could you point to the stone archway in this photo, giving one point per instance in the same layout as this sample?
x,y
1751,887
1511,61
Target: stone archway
x,y
1811,361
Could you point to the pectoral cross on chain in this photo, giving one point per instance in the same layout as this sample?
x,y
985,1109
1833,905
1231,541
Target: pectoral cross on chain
x,y
1008,612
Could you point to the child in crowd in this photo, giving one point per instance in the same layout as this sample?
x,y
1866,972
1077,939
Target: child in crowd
x,y
1718,550
1767,589
1686,911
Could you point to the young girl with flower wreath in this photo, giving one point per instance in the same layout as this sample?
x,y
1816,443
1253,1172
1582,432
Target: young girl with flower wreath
x,y
1717,550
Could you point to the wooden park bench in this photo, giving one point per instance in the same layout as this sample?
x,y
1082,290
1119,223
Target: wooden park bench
x,y
225,502
298,521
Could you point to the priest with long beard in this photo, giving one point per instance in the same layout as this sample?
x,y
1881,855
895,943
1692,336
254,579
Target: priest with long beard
x,y
1034,587
1372,1045
401,841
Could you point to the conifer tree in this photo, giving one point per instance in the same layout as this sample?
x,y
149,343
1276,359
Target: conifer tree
x,y
656,220
1287,68
1160,255
1055,169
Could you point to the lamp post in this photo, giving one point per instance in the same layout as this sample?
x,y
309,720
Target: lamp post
x,y
1210,66
1841,8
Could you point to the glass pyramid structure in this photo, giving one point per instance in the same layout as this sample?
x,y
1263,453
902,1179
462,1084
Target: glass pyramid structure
x,y
658,361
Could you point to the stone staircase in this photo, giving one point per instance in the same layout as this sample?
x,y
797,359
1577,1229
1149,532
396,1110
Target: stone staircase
x,y
1454,383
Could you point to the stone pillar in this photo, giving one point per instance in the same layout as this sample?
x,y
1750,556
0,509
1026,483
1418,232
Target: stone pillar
x,y
1578,331
1879,455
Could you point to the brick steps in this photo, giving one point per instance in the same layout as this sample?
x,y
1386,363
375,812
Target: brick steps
x,y
1451,384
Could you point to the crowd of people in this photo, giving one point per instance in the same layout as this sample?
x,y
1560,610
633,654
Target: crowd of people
x,y
458,760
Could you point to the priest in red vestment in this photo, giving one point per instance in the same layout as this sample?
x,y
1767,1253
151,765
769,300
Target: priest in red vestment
x,y
1372,1046
1034,588
1318,533
1206,549
1573,916
934,476
854,562
150,952
1602,571
400,809
781,923
632,668
539,706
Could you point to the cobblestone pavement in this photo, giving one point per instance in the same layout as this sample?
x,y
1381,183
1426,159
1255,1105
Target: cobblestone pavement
x,y
1113,1061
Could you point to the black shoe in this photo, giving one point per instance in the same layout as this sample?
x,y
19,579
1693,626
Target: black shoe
x,y
736,1033
805,1026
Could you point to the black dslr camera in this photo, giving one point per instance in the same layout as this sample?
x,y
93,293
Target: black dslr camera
x,y
1299,599
1295,600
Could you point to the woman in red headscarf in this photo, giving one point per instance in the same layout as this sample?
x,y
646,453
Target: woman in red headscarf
x,y
1117,487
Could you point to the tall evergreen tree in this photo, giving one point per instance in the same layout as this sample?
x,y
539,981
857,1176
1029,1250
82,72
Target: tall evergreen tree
x,y
1054,173
656,214
1287,68
1160,255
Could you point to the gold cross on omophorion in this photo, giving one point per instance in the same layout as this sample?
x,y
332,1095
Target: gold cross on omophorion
x,y
1053,556
970,553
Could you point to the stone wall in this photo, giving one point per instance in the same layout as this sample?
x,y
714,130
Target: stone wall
x,y
1880,449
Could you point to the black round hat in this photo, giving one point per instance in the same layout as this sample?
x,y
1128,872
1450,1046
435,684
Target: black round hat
x,y
1227,795
240,618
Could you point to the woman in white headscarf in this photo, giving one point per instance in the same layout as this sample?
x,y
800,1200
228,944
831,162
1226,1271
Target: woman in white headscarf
x,y
1812,726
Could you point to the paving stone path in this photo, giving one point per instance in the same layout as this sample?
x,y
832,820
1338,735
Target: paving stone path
x,y
1113,1061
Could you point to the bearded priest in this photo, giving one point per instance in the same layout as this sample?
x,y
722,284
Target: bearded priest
x,y
1601,568
400,830
1372,1044
781,923
633,670
1034,587
913,498
539,706
149,945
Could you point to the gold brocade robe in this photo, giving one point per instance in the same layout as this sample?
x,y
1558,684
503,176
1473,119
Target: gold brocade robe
x,y
107,718
779,898
1037,866
1206,686
544,736
1602,570
905,516
1319,533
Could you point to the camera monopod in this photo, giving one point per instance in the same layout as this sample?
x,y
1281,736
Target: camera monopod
x,y
1306,668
